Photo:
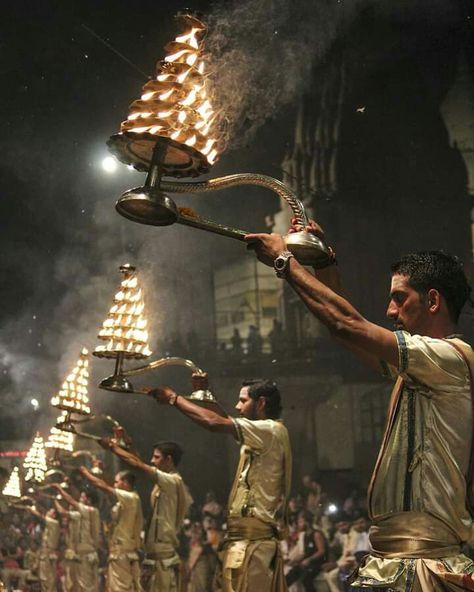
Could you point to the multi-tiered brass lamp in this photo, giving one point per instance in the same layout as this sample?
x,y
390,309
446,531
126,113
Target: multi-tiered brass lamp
x,y
73,399
35,464
12,487
125,336
174,131
73,396
60,440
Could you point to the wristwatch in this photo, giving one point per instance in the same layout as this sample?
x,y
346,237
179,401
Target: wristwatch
x,y
172,400
281,263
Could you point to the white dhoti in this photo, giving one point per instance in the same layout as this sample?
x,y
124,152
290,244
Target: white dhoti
x,y
47,572
123,573
71,572
249,566
161,574
88,572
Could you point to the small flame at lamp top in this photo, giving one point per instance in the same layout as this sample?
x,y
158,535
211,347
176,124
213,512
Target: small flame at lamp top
x,y
125,328
35,461
73,394
12,487
176,104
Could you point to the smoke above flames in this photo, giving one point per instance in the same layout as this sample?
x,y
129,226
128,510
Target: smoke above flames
x,y
263,52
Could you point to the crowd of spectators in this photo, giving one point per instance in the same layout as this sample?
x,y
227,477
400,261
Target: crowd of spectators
x,y
20,538
322,545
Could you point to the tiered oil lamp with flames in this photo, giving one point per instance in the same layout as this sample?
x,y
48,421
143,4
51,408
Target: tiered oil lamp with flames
x,y
73,399
173,131
60,440
12,487
35,465
125,334
73,396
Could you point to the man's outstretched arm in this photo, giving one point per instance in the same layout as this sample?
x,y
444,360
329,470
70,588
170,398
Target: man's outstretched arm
x,y
62,510
207,418
67,496
343,321
96,481
128,456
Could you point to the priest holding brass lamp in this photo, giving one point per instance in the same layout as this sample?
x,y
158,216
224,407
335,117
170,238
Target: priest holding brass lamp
x,y
170,501
252,558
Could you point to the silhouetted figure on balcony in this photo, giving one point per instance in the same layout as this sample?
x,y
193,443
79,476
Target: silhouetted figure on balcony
x,y
236,342
275,336
254,341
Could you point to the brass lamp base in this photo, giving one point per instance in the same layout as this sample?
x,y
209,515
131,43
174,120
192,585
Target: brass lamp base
x,y
117,383
308,249
147,205
137,150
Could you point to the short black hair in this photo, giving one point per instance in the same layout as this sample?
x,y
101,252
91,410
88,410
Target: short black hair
x,y
92,496
437,270
129,477
170,448
261,387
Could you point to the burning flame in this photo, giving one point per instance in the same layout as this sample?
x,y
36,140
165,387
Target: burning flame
x,y
176,104
60,439
35,461
12,487
73,394
125,328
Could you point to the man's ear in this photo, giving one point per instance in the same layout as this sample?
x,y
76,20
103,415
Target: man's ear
x,y
261,403
434,300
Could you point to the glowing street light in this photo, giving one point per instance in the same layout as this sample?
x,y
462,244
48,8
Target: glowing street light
x,y
109,164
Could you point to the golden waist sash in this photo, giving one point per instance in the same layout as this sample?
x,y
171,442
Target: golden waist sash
x,y
253,530
412,535
249,529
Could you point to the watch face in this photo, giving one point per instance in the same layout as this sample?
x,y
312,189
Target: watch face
x,y
279,263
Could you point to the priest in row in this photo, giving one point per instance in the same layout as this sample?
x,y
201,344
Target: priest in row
x,y
252,558
170,500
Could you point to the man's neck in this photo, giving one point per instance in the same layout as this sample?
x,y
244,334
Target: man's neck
x,y
441,330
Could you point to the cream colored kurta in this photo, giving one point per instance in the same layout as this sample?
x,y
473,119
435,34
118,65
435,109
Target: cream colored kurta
x,y
170,502
260,487
89,540
261,484
89,534
47,555
72,531
123,572
127,518
417,497
71,558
